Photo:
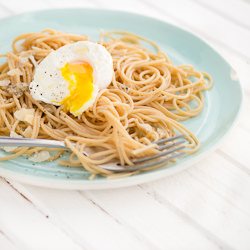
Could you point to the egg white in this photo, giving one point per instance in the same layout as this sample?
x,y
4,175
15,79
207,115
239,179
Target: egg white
x,y
49,85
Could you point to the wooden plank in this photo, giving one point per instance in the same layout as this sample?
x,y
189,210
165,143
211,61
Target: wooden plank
x,y
201,21
5,242
234,11
4,11
155,221
23,6
83,219
140,222
135,6
213,212
236,148
225,179
27,227
244,121
167,10
71,3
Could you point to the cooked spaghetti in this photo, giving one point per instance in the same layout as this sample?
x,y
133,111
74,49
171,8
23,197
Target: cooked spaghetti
x,y
145,101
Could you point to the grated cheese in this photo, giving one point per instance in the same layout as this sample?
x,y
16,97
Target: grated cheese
x,y
28,132
145,127
12,135
15,135
26,115
161,132
14,72
19,47
8,149
23,60
32,59
4,83
40,157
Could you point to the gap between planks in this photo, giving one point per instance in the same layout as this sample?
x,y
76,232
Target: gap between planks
x,y
210,236
220,13
98,3
45,214
195,30
8,10
119,221
206,233
128,227
235,162
6,237
21,190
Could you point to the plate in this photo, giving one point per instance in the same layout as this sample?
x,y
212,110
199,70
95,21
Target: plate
x,y
211,126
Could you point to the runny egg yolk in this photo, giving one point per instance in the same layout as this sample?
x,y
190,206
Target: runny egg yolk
x,y
80,78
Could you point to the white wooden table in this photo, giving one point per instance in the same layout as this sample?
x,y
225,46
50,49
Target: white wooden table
x,y
204,207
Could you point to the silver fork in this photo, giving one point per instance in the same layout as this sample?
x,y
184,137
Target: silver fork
x,y
169,151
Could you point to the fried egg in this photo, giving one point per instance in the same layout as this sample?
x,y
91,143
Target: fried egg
x,y
72,76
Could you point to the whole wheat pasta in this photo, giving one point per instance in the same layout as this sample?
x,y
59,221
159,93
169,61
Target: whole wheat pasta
x,y
145,101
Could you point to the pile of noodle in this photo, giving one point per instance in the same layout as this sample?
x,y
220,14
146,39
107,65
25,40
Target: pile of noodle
x,y
145,101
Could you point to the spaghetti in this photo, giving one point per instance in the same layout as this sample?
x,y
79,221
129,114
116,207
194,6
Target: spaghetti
x,y
145,101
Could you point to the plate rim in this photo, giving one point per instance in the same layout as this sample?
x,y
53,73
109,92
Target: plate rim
x,y
136,179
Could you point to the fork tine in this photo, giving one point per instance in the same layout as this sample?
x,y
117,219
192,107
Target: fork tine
x,y
151,163
162,147
167,152
169,139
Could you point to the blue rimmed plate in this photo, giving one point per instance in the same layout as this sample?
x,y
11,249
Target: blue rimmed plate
x,y
211,126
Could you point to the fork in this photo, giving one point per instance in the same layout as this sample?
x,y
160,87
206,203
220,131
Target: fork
x,y
167,153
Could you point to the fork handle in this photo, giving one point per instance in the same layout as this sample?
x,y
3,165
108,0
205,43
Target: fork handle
x,y
28,142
